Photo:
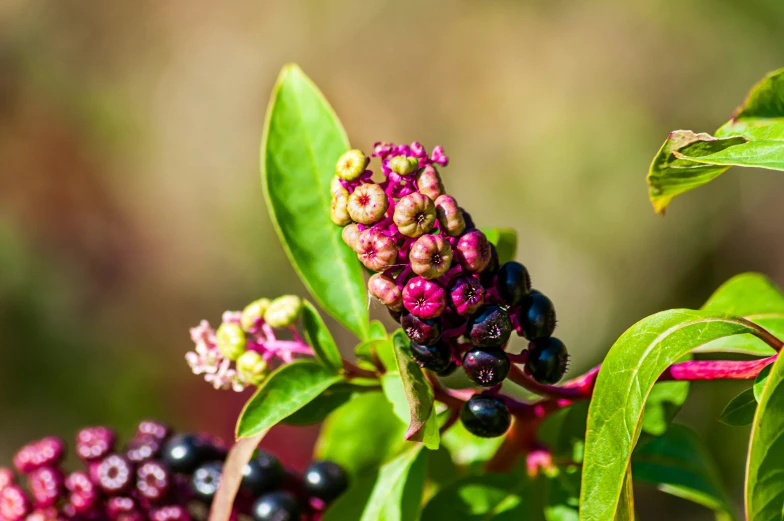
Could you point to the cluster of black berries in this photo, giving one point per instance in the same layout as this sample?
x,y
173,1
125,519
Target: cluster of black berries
x,y
441,278
157,476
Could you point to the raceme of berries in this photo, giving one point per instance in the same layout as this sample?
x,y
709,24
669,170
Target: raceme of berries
x,y
439,276
112,487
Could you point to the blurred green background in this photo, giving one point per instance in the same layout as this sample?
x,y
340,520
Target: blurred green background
x,y
130,205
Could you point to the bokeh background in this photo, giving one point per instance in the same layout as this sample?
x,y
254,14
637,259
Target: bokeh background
x,y
130,205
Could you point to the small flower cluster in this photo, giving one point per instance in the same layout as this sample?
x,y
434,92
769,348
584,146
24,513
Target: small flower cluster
x,y
158,476
439,275
239,353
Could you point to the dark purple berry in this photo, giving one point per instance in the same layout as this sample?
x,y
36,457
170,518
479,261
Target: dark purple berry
x,y
47,485
262,474
143,447
466,294
396,315
435,358
115,474
451,368
421,330
469,221
485,416
513,283
14,503
184,453
547,360
94,443
488,274
276,506
489,327
170,513
206,479
153,428
83,493
486,366
123,508
325,480
153,480
537,316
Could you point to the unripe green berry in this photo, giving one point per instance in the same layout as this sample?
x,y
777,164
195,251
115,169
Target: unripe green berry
x,y
386,291
404,165
430,256
253,312
429,183
252,367
283,311
367,204
350,236
450,217
339,210
335,187
352,164
231,340
415,215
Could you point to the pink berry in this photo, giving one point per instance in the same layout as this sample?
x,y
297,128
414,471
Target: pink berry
x,y
6,477
47,486
115,474
430,256
386,291
123,508
14,503
467,295
473,251
424,298
94,443
153,428
83,492
152,480
45,452
375,250
170,513
143,447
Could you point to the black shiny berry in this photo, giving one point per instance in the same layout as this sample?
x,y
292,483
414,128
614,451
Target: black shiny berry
x,y
451,368
489,327
469,222
486,366
435,358
421,330
547,360
205,480
262,474
513,283
184,453
325,480
276,506
537,316
485,416
488,274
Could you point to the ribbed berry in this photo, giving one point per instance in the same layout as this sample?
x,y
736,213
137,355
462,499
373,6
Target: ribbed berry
x,y
115,474
184,453
153,480
436,358
47,486
466,294
6,477
537,316
485,416
153,428
420,330
14,503
450,218
547,360
325,480
513,283
94,443
430,256
170,513
473,251
276,506
375,250
486,366
429,182
262,474
424,298
83,493
46,452
123,508
384,289
489,327
143,447
367,203
206,479
414,215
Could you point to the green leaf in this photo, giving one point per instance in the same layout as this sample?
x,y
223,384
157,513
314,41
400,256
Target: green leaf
x,y
764,477
302,141
740,411
481,498
284,392
418,392
393,494
754,137
361,434
322,406
755,298
319,337
679,463
396,394
628,374
760,381
625,510
563,496
468,449
664,402
505,241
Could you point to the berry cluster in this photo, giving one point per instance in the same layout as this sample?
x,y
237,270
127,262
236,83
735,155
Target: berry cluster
x,y
157,476
441,278
239,352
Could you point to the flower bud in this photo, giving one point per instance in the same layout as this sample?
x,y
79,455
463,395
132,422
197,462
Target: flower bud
x,y
368,203
283,311
253,313
473,251
415,215
424,298
429,183
450,217
466,294
386,291
430,256
335,187
404,165
376,251
339,210
231,340
351,235
352,164
252,367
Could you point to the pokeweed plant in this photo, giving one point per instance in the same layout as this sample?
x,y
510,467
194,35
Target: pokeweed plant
x,y
382,227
